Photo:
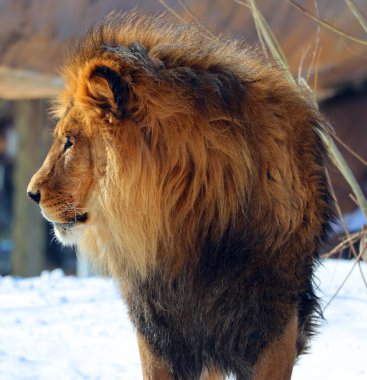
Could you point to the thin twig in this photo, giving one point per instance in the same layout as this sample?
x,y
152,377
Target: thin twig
x,y
310,67
343,167
362,248
363,243
328,25
242,3
340,214
183,20
345,227
258,31
300,65
350,150
199,23
361,235
317,43
353,198
343,244
173,11
271,42
316,76
361,252
341,285
357,14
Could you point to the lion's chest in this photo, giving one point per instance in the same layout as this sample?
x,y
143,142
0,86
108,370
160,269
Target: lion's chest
x,y
214,311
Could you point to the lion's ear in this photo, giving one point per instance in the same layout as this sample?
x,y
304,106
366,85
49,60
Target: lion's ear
x,y
108,91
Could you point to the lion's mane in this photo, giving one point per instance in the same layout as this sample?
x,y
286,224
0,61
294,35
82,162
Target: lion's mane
x,y
210,137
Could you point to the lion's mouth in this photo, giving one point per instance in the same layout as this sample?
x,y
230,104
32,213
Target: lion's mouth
x,y
81,218
70,232
68,225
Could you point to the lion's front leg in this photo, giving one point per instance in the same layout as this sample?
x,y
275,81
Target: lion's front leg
x,y
153,367
277,360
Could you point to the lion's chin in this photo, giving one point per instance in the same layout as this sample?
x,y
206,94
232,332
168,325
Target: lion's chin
x,y
69,233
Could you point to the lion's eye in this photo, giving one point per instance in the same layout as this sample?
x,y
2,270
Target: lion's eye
x,y
68,144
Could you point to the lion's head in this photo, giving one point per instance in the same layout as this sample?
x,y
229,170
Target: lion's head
x,y
140,163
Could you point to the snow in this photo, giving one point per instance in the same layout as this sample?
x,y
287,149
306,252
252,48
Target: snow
x,y
67,328
339,351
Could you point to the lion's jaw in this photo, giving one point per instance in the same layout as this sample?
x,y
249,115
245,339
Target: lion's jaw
x,y
69,233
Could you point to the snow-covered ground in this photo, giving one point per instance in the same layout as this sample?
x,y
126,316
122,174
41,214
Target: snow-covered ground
x,y
55,327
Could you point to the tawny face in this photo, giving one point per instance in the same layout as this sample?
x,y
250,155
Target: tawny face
x,y
64,185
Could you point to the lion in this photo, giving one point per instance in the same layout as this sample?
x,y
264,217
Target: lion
x,y
194,173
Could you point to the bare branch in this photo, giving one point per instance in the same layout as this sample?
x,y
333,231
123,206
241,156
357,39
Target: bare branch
x,y
328,25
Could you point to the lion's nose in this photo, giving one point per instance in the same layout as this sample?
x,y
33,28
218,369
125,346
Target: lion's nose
x,y
35,197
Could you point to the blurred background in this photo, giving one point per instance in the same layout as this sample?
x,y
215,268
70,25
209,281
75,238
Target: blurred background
x,y
34,35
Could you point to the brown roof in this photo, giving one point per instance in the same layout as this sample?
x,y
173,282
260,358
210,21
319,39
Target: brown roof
x,y
35,33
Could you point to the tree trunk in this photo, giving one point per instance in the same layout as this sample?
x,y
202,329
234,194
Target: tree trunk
x,y
29,228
